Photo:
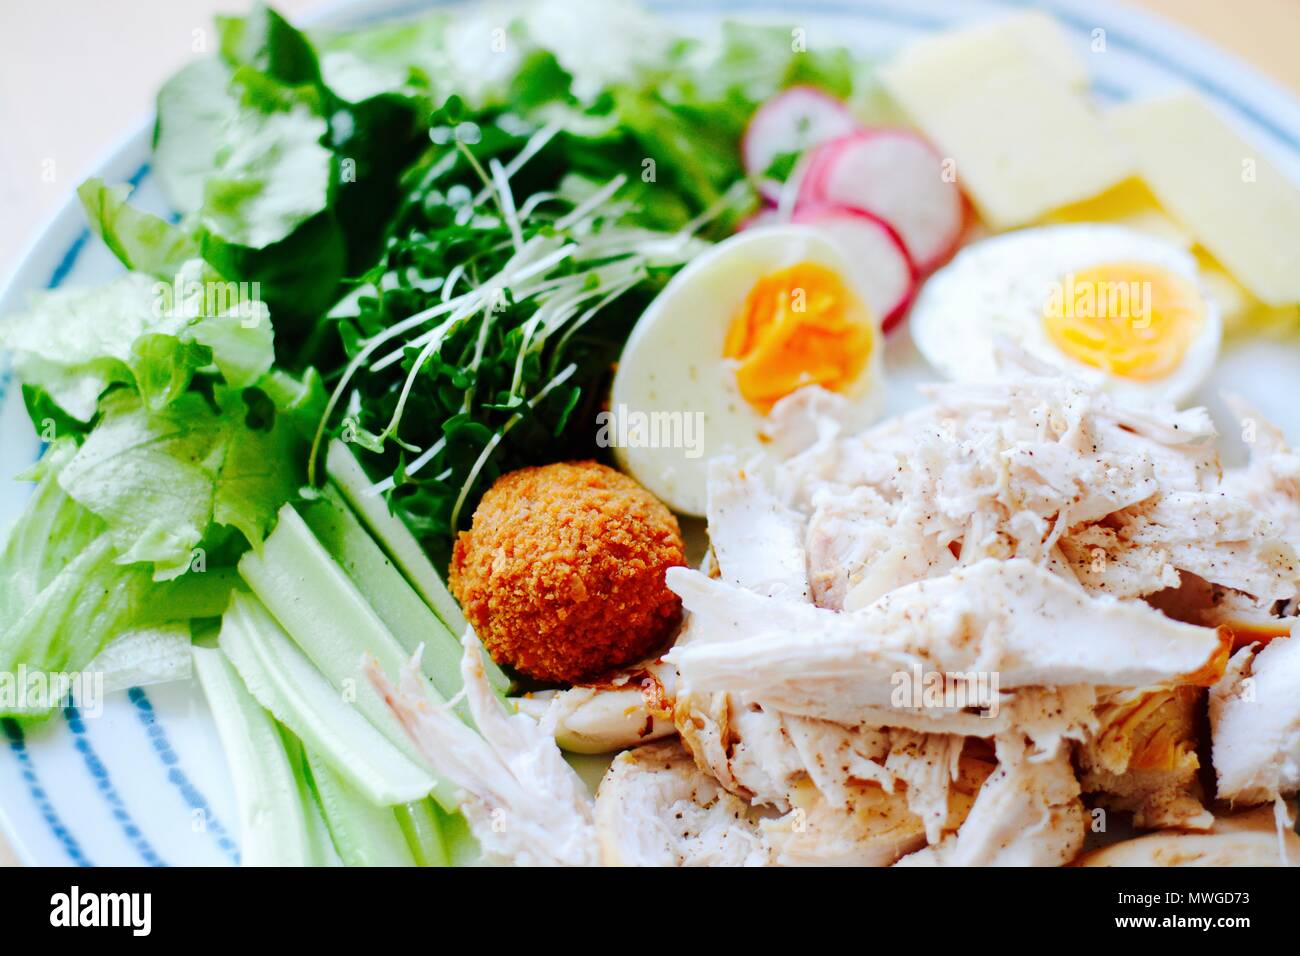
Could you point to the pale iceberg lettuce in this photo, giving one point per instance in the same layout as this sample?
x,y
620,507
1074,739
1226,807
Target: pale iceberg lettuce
x,y
161,480
139,331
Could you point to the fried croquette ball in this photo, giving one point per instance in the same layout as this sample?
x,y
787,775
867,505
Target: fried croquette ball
x,y
562,571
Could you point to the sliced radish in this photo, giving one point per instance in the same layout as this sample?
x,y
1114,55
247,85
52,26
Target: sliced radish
x,y
897,176
790,122
880,262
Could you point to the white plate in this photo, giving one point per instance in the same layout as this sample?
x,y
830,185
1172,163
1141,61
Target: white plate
x,y
146,783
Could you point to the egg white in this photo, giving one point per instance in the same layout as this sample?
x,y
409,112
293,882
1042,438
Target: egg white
x,y
994,292
673,360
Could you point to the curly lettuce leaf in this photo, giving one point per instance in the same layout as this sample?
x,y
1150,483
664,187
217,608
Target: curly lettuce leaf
x,y
89,604
64,596
291,183
194,107
754,61
161,481
238,143
400,58
299,399
269,44
199,107
46,537
272,175
86,603
244,159
73,344
141,242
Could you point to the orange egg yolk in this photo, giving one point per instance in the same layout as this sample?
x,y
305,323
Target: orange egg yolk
x,y
799,326
1132,320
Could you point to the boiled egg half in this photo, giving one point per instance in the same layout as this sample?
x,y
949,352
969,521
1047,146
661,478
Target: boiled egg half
x,y
746,323
1116,308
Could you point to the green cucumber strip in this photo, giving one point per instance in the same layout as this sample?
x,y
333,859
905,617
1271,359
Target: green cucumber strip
x,y
327,617
395,537
323,850
462,848
287,684
420,824
273,823
404,612
363,834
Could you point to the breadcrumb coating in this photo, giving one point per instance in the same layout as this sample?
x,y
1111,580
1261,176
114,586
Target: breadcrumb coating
x,y
562,571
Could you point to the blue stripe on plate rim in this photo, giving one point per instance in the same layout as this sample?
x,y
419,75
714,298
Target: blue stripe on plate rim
x,y
200,809
104,784
160,744
18,747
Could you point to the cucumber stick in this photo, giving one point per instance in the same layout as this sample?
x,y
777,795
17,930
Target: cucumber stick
x,y
285,682
364,834
396,538
324,853
276,827
462,848
408,618
422,824
320,608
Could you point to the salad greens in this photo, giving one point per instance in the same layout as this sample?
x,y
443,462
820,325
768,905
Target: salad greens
x,y
531,235
404,261
73,344
64,593
142,242
167,481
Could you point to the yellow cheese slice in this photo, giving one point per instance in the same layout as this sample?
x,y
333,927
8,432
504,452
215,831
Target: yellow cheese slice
x,y
1128,204
1237,204
1024,140
1039,32
1242,313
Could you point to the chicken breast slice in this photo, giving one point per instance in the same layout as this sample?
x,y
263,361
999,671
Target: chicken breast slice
x,y
655,807
1046,715
837,759
632,707
769,757
1255,723
757,541
863,546
1027,813
807,417
876,828
992,471
1270,482
525,805
1009,621
743,745
757,544
1247,839
1142,758
1224,540
852,811
927,765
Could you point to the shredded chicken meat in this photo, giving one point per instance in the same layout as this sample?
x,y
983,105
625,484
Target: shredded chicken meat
x,y
927,643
